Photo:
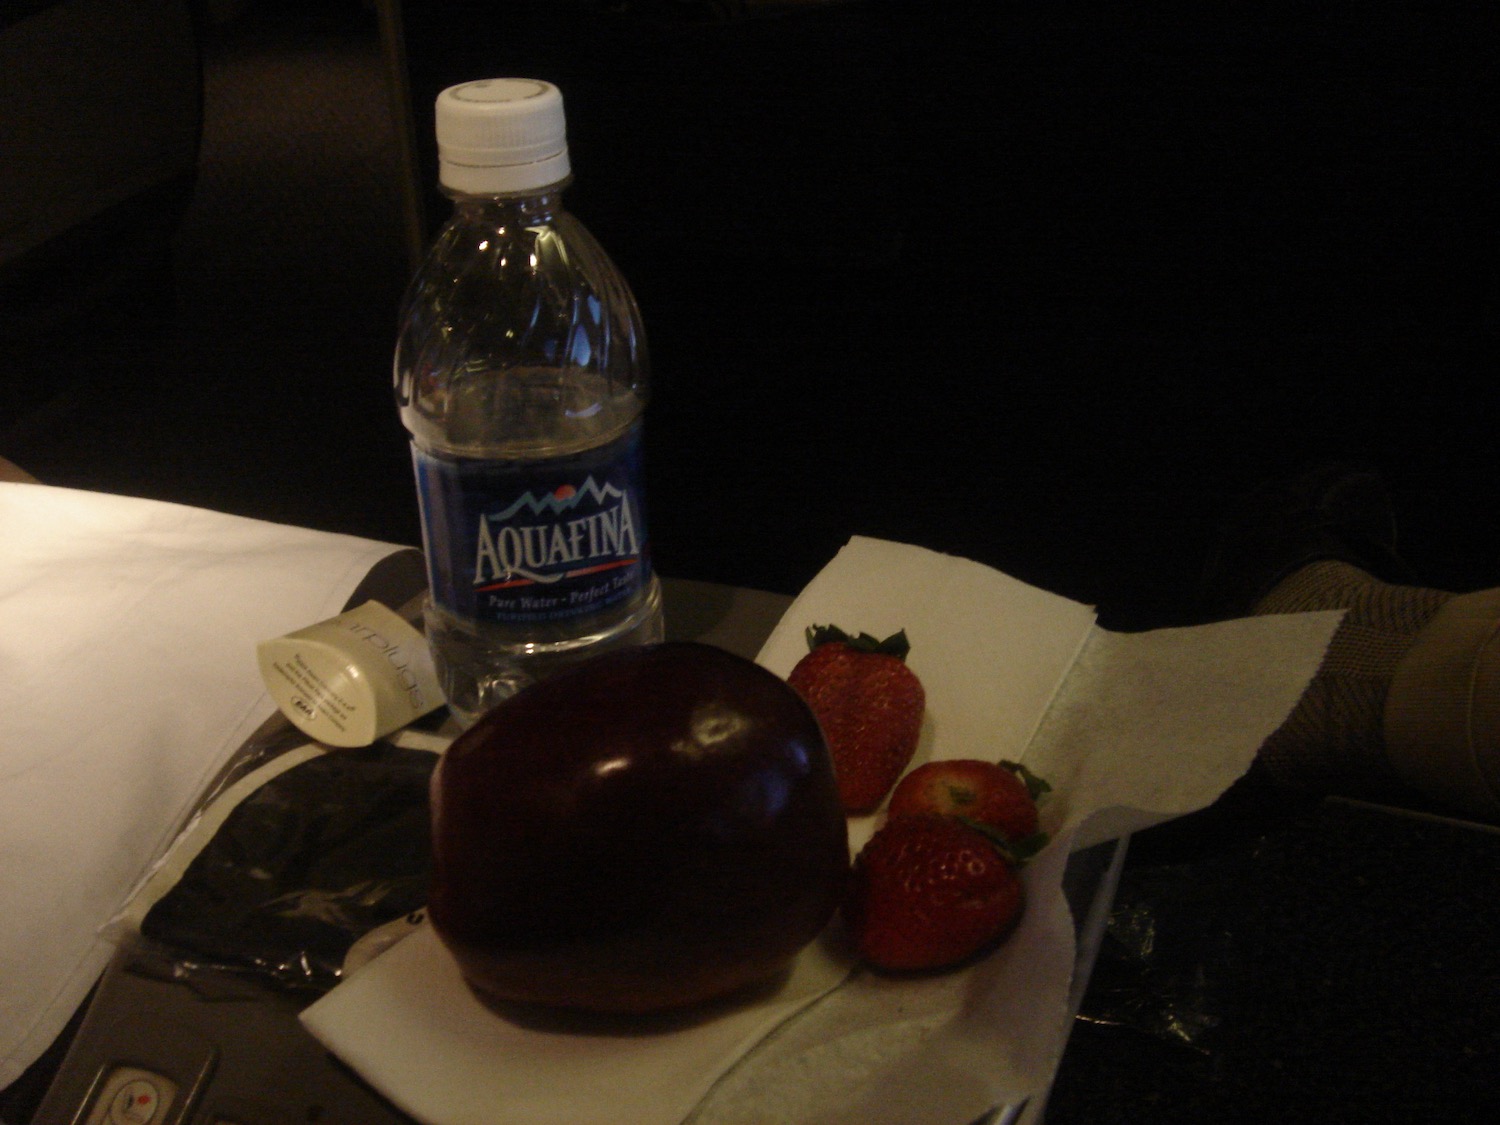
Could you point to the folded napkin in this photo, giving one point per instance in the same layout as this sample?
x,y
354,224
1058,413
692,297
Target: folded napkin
x,y
1131,730
410,1025
127,677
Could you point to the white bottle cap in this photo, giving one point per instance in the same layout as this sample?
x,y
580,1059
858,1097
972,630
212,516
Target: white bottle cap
x,y
501,136
353,678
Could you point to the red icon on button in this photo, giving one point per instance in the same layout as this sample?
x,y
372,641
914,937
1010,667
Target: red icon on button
x,y
135,1104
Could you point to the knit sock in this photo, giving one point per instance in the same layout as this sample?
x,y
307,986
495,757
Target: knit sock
x,y
1333,741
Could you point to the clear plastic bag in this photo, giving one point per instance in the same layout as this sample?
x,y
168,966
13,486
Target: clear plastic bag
x,y
304,867
1153,973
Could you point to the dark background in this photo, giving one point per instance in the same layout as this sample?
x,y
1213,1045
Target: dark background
x,y
1044,285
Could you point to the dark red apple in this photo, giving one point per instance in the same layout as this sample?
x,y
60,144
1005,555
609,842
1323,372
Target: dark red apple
x,y
654,828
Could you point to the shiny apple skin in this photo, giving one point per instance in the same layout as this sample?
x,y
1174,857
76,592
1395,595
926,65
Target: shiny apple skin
x,y
652,829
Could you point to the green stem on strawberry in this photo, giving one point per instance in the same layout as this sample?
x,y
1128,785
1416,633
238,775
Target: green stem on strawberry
x,y
1035,785
895,645
1018,852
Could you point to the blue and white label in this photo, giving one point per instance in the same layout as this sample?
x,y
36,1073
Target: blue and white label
x,y
531,542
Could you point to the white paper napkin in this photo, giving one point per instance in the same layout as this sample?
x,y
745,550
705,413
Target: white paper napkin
x,y
990,650
127,677
410,1025
1131,730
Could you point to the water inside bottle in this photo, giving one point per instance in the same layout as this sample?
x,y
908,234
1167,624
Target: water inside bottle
x,y
480,666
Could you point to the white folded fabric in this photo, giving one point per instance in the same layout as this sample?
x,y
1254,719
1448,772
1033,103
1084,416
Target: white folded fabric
x,y
127,677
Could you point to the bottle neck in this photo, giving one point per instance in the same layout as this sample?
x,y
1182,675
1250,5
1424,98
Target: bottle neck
x,y
528,209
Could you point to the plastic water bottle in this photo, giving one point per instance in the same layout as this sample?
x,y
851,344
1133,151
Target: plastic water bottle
x,y
521,376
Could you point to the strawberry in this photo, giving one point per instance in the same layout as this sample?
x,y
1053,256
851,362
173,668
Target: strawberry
x,y
930,892
999,795
869,704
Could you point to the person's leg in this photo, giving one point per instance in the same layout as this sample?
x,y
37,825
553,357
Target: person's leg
x,y
1407,696
1406,706
1442,713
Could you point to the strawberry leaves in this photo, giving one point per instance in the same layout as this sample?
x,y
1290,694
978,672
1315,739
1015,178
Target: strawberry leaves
x,y
1018,851
895,645
1035,785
